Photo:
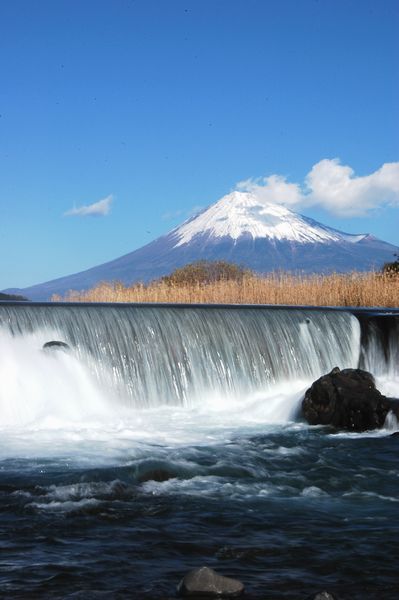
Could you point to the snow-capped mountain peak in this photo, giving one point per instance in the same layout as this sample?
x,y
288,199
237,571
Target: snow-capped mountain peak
x,y
242,229
242,213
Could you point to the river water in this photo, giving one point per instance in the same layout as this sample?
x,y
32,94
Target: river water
x,y
168,438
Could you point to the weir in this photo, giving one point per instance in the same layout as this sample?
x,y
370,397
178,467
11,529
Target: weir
x,y
154,355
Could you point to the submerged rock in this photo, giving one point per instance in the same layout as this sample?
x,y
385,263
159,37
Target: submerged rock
x,y
347,399
56,345
206,583
324,596
158,475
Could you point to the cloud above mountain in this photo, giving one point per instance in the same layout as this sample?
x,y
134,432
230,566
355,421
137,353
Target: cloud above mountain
x,y
97,209
332,186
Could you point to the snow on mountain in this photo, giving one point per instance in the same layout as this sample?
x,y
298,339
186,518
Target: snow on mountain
x,y
241,213
240,229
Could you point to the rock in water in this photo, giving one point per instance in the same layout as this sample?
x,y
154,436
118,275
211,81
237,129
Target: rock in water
x,y
155,475
324,596
346,399
206,583
56,345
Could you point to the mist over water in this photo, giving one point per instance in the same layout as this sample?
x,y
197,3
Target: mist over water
x,y
169,437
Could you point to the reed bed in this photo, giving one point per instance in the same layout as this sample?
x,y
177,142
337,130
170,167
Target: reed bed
x,y
354,289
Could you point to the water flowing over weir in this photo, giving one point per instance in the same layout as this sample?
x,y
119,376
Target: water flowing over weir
x,y
176,355
380,344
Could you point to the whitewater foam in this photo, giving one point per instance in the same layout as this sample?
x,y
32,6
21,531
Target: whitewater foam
x,y
50,389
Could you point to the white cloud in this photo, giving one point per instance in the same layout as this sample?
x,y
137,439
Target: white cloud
x,y
274,188
97,209
333,186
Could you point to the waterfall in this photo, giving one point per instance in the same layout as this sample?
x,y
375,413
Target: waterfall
x,y
153,355
380,345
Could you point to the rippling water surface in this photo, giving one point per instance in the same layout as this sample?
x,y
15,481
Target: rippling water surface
x,y
127,507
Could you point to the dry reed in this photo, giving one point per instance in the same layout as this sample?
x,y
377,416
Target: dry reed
x,y
354,289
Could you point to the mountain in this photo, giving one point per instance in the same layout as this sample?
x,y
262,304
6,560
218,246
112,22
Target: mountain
x,y
241,229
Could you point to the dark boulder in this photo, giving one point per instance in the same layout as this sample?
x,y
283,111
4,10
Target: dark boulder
x,y
206,583
347,399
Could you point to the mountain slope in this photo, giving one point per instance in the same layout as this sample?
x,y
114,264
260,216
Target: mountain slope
x,y
240,229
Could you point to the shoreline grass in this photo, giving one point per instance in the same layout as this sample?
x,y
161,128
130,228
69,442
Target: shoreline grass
x,y
350,289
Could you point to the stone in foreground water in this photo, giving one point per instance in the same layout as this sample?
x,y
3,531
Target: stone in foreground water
x,y
348,400
205,582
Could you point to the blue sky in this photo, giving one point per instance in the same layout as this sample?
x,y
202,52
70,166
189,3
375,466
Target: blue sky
x,y
156,107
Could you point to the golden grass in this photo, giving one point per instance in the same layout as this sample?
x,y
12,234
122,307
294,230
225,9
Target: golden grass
x,y
354,289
